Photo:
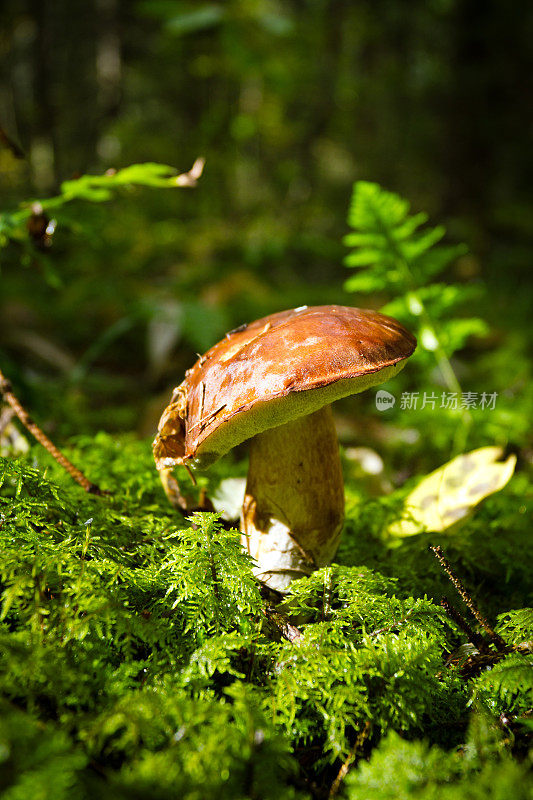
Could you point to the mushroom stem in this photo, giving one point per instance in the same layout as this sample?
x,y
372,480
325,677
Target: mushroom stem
x,y
293,507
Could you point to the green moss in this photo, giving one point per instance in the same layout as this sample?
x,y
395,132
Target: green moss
x,y
136,660
401,769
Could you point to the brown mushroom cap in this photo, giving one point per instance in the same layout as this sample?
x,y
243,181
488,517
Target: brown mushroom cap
x,y
274,370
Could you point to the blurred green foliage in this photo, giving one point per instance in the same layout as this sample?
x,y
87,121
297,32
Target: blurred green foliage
x,y
400,769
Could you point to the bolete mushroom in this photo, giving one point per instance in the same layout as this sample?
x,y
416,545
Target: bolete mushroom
x,y
273,381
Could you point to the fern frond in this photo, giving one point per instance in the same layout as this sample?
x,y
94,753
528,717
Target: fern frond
x,y
513,676
508,686
387,235
516,626
395,250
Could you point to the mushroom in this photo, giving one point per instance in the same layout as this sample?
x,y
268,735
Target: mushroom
x,y
272,382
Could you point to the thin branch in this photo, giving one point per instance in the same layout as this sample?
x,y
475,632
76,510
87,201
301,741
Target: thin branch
x,y
461,622
361,738
445,564
7,391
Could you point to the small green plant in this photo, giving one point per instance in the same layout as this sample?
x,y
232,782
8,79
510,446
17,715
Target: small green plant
x,y
395,254
94,189
33,225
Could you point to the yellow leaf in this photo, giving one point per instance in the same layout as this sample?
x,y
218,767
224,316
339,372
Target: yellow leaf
x,y
450,493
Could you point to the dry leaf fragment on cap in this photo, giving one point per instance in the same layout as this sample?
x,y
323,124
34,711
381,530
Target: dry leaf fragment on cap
x,y
189,179
272,381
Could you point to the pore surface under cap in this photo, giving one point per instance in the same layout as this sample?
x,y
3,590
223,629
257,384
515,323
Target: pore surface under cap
x,y
273,370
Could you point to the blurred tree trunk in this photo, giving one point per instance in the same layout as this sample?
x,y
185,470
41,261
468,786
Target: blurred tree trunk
x,y
487,157
65,63
43,145
468,153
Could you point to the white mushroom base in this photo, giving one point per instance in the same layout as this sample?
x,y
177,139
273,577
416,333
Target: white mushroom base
x,y
293,507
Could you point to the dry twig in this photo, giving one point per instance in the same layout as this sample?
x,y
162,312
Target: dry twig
x,y
361,738
447,567
7,391
461,622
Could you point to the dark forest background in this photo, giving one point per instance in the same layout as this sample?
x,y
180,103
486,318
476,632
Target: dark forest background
x,y
290,102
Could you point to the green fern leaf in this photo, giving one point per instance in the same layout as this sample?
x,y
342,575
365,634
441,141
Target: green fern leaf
x,y
389,238
516,626
394,250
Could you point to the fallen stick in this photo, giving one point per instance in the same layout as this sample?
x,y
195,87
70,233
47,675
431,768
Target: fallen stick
x,y
7,392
